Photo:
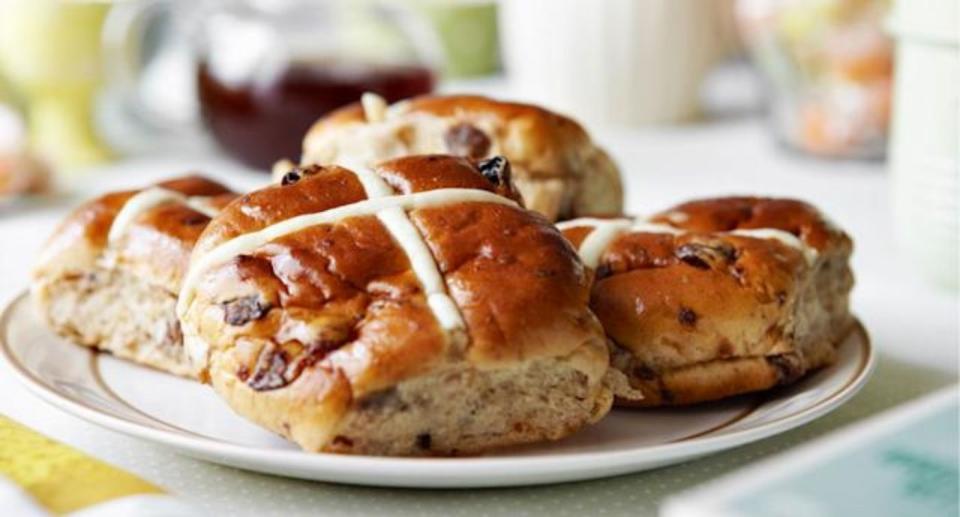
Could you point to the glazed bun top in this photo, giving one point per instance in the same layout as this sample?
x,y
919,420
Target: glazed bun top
x,y
532,136
152,230
559,170
787,226
315,188
726,214
384,273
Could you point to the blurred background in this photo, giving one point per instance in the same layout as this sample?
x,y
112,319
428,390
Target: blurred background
x,y
86,84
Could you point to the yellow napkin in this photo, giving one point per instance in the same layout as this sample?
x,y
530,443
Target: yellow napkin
x,y
54,478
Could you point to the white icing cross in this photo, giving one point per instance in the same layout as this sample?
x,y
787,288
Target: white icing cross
x,y
424,266
149,198
390,209
374,107
606,230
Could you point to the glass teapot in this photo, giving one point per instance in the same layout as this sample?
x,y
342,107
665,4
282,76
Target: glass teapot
x,y
256,73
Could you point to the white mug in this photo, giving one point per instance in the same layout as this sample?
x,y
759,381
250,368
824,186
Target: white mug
x,y
622,62
925,139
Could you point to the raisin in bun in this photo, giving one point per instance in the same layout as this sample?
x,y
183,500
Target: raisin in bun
x,y
109,276
412,308
718,297
559,171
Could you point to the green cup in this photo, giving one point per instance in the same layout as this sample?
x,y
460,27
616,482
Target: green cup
x,y
467,29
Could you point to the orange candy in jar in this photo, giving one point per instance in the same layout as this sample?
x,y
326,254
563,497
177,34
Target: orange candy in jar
x,y
829,66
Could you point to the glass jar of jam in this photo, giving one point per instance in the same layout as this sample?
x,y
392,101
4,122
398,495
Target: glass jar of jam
x,y
268,69
255,74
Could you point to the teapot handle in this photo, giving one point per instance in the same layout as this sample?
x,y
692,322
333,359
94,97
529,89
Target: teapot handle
x,y
150,70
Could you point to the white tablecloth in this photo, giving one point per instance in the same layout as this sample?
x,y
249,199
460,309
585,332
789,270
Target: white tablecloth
x,y
913,325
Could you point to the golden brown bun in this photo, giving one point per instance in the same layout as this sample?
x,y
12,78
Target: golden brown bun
x,y
707,314
119,297
559,171
325,336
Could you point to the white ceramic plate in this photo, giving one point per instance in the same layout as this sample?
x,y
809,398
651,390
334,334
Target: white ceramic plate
x,y
189,418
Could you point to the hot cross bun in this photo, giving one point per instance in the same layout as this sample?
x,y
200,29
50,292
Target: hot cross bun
x,y
411,308
557,168
109,276
717,297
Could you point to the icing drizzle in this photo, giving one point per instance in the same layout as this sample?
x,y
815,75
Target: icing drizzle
x,y
605,231
390,209
149,198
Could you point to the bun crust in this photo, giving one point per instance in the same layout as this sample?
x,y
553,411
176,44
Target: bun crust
x,y
559,171
711,304
326,335
118,296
